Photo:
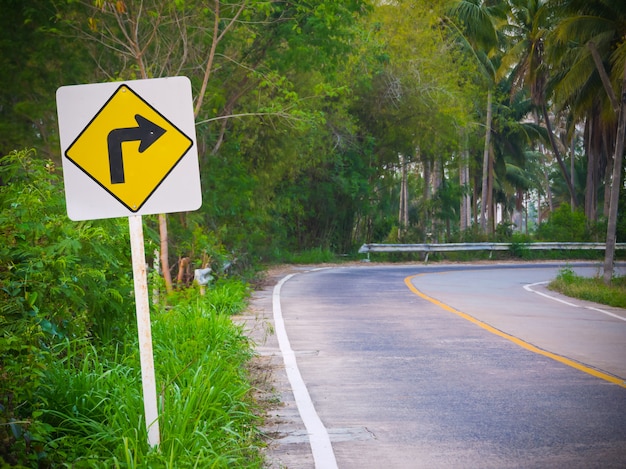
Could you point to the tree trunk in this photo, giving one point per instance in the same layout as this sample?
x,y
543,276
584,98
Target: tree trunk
x,y
606,156
465,198
427,179
545,175
590,188
475,200
485,179
607,187
490,195
589,151
403,213
437,178
183,271
526,203
611,231
557,154
165,262
604,77
572,166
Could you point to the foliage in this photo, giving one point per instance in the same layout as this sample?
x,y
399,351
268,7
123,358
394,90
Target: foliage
x,y
225,296
60,281
94,402
590,289
311,256
303,109
564,225
36,56
73,279
69,377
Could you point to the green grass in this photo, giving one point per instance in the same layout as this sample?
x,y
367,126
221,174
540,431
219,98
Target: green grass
x,y
590,289
93,412
312,256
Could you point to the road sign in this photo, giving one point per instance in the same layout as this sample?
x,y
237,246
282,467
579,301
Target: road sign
x,y
129,148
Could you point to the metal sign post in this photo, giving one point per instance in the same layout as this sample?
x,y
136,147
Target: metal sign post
x,y
142,304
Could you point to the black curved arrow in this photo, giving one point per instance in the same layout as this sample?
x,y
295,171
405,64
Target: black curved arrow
x,y
146,132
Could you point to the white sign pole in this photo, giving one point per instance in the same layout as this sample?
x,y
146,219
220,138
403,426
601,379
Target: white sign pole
x,y
143,328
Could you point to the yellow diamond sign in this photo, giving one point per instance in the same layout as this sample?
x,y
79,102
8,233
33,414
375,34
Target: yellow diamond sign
x,y
128,148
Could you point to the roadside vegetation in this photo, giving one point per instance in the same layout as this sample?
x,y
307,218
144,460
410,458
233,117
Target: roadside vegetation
x,y
591,288
90,405
70,377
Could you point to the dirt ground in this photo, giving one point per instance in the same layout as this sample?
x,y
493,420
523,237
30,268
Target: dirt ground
x,y
285,435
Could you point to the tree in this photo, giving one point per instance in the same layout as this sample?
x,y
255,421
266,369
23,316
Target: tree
x,y
598,28
416,104
33,62
476,23
513,137
229,49
527,28
147,35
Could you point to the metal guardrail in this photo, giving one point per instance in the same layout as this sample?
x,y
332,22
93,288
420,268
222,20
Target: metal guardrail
x,y
452,247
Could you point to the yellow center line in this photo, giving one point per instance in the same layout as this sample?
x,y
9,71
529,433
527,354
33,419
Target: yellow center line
x,y
515,340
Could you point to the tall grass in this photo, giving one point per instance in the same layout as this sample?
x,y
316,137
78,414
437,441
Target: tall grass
x,y
590,289
94,406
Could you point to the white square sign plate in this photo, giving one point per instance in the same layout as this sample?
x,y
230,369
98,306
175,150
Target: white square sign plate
x,y
129,148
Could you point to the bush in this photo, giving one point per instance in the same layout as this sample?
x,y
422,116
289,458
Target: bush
x,y
70,390
519,242
564,225
60,280
73,279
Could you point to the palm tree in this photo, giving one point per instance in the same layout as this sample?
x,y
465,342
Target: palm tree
x,y
595,30
512,140
475,22
527,28
579,89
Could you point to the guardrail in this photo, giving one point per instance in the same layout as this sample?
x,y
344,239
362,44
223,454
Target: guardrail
x,y
452,247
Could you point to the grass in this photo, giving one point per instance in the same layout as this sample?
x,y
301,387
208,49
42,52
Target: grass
x,y
313,256
590,289
94,406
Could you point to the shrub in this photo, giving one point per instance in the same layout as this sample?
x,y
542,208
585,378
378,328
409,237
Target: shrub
x,y
564,225
60,280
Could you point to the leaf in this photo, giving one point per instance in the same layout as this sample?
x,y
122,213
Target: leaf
x,y
93,24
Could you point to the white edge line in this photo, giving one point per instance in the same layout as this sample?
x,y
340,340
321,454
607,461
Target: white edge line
x,y
606,312
529,288
321,446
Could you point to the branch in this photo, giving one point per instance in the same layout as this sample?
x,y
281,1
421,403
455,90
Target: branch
x,y
217,37
283,114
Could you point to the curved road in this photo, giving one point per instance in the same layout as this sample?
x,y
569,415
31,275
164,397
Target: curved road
x,y
444,367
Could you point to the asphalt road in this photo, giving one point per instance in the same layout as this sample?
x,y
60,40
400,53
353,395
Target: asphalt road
x,y
444,367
